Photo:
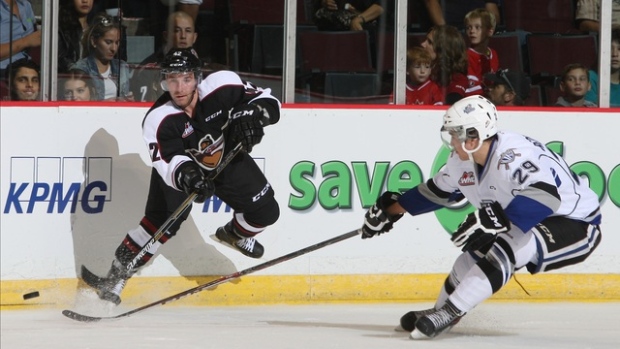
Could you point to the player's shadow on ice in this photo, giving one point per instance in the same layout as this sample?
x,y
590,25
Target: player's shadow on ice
x,y
96,236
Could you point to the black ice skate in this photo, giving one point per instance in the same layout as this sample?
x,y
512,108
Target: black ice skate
x,y
246,245
407,321
108,288
431,325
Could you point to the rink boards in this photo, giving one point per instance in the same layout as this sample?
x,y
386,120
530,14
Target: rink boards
x,y
75,178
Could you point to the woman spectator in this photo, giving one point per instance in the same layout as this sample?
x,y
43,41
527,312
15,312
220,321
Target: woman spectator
x,y
73,22
24,80
448,50
76,85
110,75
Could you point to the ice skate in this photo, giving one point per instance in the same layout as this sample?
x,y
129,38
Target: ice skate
x,y
246,245
407,321
108,288
431,325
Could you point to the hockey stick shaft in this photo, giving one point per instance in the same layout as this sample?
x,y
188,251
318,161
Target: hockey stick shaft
x,y
221,280
179,211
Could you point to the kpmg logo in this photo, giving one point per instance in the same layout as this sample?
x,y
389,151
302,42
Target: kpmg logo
x,y
58,184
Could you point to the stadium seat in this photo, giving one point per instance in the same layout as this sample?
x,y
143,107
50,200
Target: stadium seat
x,y
268,48
549,54
536,16
508,48
323,51
535,97
351,84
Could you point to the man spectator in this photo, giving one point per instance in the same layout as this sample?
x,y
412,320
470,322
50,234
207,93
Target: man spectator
x,y
24,80
507,88
180,33
17,31
431,13
588,15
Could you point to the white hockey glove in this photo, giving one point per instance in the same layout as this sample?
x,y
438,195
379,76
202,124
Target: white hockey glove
x,y
376,220
481,227
246,125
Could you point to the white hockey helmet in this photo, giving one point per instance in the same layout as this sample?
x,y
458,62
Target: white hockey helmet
x,y
470,117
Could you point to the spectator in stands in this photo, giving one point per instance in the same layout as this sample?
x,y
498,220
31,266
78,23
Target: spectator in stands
x,y
24,80
447,48
180,33
110,75
77,85
614,93
430,13
420,89
18,32
347,15
73,22
588,15
507,88
479,27
574,85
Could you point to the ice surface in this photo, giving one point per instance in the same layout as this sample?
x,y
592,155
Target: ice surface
x,y
347,326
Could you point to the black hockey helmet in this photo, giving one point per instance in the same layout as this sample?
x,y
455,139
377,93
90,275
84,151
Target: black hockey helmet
x,y
180,60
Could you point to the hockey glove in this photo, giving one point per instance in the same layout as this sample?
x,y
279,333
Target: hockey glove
x,y
480,227
192,180
377,221
246,125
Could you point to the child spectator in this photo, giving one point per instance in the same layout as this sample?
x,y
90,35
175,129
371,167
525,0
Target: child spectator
x,y
447,48
24,80
614,89
110,75
479,27
507,88
77,85
420,89
574,86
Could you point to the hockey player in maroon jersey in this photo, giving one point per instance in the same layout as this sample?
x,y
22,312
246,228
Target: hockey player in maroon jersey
x,y
188,131
532,211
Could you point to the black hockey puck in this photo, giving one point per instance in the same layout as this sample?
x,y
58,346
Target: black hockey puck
x,y
30,295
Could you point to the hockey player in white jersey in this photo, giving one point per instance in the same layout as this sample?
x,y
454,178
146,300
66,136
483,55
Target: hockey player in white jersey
x,y
531,211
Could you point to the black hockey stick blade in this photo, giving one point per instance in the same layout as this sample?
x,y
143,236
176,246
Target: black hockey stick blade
x,y
85,318
90,278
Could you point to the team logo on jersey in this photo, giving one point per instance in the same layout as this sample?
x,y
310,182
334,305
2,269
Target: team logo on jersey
x,y
506,158
209,152
467,178
189,129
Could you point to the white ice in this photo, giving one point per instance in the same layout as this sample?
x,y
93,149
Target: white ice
x,y
322,326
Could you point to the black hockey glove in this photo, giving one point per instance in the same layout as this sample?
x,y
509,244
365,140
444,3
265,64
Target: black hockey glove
x,y
377,221
246,125
192,180
481,227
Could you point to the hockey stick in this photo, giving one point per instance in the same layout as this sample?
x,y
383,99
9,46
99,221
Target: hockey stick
x,y
173,217
85,318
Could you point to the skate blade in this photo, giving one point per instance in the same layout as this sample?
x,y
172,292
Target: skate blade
x,y
214,237
399,328
417,335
